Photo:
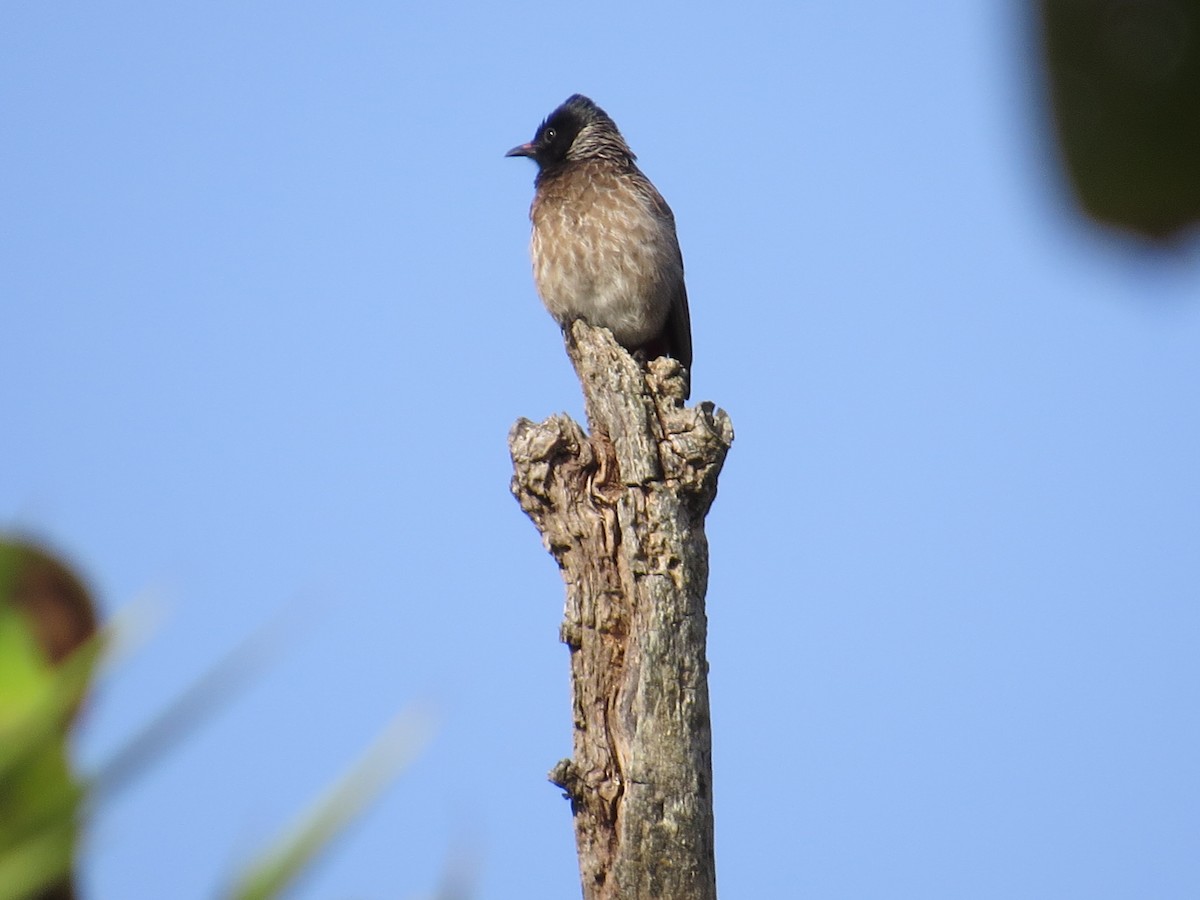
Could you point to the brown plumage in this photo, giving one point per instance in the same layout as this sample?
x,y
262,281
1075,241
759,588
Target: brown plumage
x,y
604,246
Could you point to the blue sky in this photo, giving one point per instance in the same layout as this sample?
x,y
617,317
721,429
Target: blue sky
x,y
269,317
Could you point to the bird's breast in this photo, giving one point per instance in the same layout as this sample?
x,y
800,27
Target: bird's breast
x,y
603,251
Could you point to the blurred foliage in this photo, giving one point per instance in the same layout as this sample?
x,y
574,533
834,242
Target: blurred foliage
x,y
283,863
49,648
48,652
1124,83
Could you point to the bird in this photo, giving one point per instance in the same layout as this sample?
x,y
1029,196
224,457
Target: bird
x,y
603,242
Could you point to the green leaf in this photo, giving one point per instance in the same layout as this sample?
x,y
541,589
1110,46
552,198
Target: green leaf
x,y
280,865
39,796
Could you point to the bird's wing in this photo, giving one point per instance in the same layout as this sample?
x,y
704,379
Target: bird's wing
x,y
679,328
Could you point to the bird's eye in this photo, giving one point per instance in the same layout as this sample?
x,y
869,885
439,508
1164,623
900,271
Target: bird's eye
x,y
551,134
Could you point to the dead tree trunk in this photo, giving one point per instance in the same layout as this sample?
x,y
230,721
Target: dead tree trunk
x,y
622,511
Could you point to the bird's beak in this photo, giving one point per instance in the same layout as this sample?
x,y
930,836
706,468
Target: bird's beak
x,y
523,150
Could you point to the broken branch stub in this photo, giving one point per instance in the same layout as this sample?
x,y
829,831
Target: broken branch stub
x,y
622,511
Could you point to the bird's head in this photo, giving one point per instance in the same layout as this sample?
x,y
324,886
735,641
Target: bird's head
x,y
578,129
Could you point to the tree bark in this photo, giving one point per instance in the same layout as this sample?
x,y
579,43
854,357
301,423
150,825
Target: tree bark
x,y
622,511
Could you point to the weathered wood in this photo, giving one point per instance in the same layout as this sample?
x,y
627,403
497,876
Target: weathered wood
x,y
622,511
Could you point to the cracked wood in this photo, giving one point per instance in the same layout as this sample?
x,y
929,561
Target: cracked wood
x,y
622,511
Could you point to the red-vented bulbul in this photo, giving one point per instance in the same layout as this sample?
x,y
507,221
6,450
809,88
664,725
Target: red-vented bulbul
x,y
604,246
